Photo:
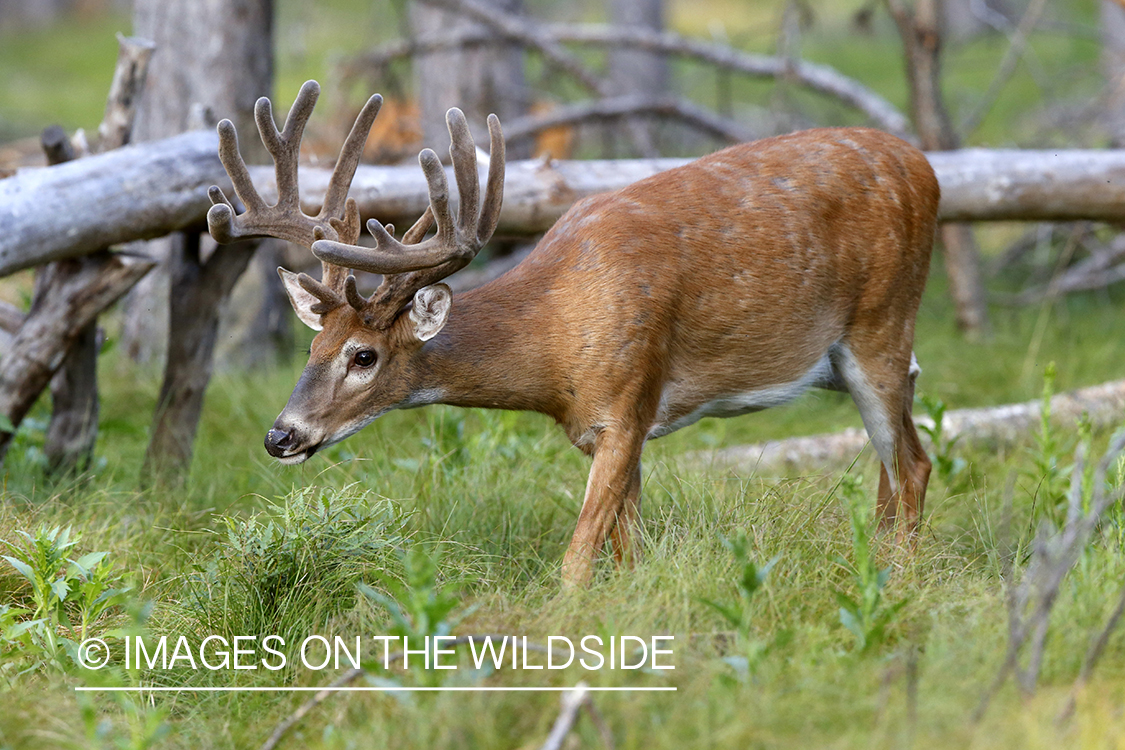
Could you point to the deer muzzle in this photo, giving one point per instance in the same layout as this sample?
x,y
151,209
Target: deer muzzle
x,y
287,445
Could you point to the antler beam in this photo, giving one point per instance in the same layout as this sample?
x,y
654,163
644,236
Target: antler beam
x,y
454,241
285,219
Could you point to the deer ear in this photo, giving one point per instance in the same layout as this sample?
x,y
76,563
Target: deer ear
x,y
430,310
301,300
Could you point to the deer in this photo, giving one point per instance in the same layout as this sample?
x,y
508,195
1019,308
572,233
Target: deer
x,y
725,286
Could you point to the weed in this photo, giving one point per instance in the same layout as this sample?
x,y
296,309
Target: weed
x,y
1047,470
63,591
286,570
749,579
949,467
419,606
867,616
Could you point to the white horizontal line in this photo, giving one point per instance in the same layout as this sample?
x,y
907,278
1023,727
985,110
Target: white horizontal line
x,y
362,689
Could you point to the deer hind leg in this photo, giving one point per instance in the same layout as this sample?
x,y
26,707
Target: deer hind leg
x,y
626,533
612,500
882,387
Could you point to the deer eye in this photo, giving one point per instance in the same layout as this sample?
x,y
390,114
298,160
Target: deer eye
x,y
365,358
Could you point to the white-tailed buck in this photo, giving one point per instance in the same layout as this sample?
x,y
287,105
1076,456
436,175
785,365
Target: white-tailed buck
x,y
725,286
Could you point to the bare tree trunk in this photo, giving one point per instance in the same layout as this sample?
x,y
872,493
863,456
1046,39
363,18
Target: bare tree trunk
x,y
200,289
481,80
255,327
214,55
921,39
215,59
73,430
633,71
989,427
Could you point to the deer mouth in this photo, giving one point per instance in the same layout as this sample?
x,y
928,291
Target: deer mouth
x,y
297,457
286,446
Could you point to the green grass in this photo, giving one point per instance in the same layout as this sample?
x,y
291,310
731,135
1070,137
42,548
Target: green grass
x,y
250,547
494,497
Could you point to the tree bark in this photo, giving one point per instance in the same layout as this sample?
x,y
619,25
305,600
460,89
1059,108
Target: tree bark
x,y
131,193
634,71
1113,67
215,56
921,38
161,187
820,78
72,297
254,326
199,291
152,189
480,80
73,430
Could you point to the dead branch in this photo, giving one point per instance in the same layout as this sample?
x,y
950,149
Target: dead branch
x,y
125,91
517,29
136,192
572,702
1016,46
148,190
992,426
84,288
820,78
1023,185
1102,268
11,318
1054,555
1092,656
73,429
616,108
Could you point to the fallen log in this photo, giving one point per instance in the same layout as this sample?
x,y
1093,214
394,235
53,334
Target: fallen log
x,y
132,193
151,189
993,426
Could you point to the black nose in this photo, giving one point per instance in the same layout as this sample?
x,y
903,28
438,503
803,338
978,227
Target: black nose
x,y
277,441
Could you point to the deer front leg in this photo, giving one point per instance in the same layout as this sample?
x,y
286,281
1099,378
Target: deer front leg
x,y
612,500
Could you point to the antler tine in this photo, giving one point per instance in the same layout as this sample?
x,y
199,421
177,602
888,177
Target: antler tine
x,y
285,219
349,157
463,155
347,229
329,298
415,234
452,242
494,189
355,299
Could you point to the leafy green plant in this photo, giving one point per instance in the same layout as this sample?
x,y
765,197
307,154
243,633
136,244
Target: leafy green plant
x,y
65,593
867,615
749,579
284,570
419,605
1047,471
950,468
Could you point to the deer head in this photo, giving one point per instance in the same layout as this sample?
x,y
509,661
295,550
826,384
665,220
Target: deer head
x,y
360,360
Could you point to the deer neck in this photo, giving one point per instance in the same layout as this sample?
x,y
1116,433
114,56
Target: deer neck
x,y
487,356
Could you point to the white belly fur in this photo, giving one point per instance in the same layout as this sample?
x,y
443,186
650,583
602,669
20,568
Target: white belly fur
x,y
741,403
